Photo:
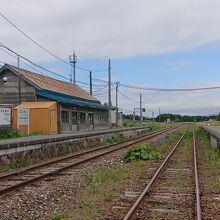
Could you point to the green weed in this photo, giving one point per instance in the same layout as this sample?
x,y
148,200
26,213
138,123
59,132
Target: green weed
x,y
142,152
59,216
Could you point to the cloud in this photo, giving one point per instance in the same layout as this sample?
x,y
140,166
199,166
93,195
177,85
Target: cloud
x,y
192,103
177,64
117,29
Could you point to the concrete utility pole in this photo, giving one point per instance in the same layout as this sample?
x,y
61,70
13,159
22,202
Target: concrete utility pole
x,y
134,116
117,84
73,61
109,93
109,83
141,117
90,80
19,80
159,114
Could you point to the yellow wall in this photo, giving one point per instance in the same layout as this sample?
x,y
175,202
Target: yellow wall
x,y
40,120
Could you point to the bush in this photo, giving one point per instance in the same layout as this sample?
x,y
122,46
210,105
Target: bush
x,y
142,152
9,132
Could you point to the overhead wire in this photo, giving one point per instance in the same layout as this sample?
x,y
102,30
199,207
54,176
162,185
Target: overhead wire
x,y
127,97
34,64
31,39
44,48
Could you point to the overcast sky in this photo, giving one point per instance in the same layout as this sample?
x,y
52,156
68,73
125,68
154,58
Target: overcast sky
x,y
169,44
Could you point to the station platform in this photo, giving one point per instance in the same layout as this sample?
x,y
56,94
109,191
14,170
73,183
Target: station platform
x,y
45,139
214,133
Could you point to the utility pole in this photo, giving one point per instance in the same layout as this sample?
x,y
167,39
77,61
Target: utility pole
x,y
109,83
159,114
73,61
116,98
19,80
141,117
90,79
134,116
109,93
153,115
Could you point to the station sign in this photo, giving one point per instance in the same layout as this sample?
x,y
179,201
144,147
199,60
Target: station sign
x,y
23,116
5,116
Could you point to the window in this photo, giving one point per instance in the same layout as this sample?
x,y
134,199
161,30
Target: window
x,y
82,117
65,116
74,117
91,118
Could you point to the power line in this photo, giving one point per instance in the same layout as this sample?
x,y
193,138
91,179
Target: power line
x,y
127,97
36,43
21,61
34,64
169,90
44,48
93,70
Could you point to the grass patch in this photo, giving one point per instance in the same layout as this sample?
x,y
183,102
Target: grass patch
x,y
59,216
105,177
10,134
116,139
142,152
210,165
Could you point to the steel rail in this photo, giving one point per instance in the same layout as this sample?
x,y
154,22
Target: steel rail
x,y
80,161
60,159
135,206
197,190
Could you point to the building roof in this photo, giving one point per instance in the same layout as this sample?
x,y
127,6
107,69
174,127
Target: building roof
x,y
39,105
66,99
48,83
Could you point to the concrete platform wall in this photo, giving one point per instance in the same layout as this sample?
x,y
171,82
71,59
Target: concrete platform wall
x,y
62,147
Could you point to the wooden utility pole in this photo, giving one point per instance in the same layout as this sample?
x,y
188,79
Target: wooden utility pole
x,y
19,80
90,80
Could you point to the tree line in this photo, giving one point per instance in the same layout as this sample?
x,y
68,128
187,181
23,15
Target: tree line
x,y
176,117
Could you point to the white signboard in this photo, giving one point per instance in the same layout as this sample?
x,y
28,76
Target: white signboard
x,y
23,116
5,116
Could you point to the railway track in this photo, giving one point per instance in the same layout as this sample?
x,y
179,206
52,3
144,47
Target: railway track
x,y
18,179
173,191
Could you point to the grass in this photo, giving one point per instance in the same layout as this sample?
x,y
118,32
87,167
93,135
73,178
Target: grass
x,y
104,186
5,134
59,216
116,139
210,162
17,164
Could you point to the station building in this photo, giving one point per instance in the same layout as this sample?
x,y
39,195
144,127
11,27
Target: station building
x,y
77,110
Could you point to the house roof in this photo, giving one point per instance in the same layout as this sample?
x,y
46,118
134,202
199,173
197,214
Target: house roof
x,y
48,83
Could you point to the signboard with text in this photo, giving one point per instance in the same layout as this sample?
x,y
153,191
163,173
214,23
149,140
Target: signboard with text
x,y
23,116
5,116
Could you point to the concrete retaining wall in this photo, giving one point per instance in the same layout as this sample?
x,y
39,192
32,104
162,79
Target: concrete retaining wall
x,y
214,137
62,147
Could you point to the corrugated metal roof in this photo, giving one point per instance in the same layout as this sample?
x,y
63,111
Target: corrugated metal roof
x,y
35,105
48,83
70,100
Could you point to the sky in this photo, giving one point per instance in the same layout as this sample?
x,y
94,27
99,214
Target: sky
x,y
151,43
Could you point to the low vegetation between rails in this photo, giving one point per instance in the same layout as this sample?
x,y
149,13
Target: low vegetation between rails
x,y
106,183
